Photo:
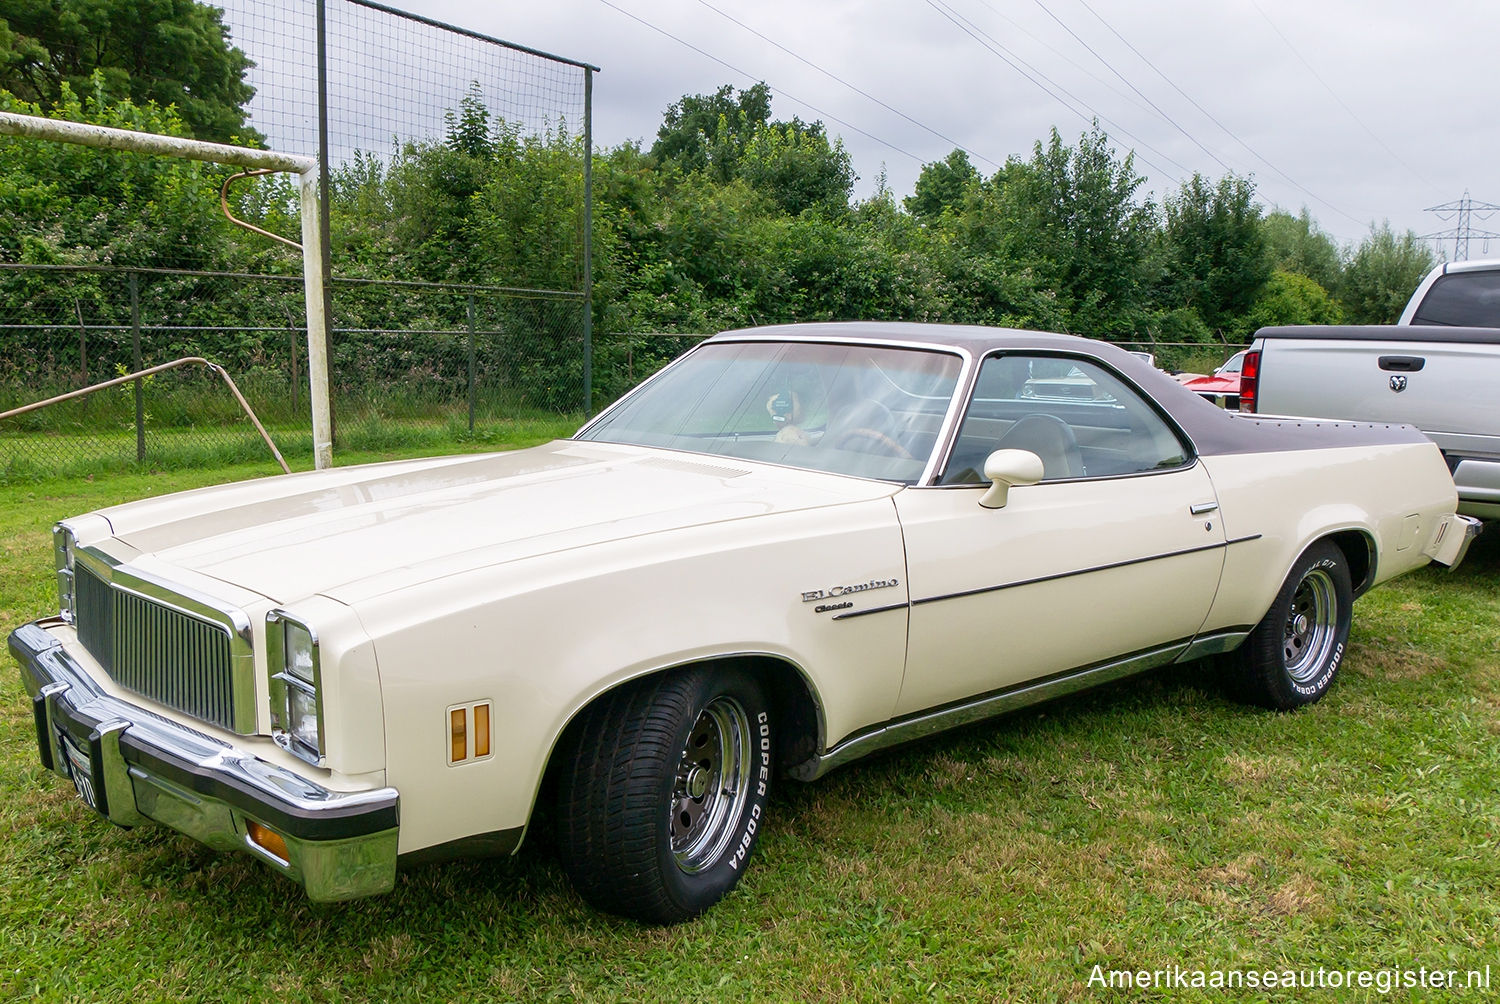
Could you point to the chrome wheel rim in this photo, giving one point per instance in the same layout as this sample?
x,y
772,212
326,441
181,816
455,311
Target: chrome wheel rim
x,y
712,785
1308,635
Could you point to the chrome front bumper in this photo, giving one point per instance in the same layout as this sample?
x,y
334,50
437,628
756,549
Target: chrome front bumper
x,y
133,766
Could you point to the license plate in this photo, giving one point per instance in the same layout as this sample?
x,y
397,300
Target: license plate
x,y
80,769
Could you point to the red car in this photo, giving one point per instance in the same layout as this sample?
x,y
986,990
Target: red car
x,y
1223,387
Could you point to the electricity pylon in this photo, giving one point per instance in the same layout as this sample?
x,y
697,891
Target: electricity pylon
x,y
1464,210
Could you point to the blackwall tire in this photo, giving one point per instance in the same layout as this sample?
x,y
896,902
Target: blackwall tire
x,y
1292,656
662,792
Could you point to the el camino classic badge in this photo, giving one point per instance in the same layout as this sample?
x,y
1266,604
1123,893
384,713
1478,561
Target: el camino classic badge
x,y
838,593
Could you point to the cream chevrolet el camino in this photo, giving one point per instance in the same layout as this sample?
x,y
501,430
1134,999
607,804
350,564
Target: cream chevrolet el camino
x,y
792,547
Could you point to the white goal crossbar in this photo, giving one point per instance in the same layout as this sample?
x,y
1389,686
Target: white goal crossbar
x,y
306,169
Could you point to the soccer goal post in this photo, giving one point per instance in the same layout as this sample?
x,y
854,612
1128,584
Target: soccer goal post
x,y
306,169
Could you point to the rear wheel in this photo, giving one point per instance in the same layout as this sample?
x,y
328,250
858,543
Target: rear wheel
x,y
663,792
1292,655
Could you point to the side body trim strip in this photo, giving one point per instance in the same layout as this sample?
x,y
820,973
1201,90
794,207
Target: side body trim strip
x,y
925,723
1043,578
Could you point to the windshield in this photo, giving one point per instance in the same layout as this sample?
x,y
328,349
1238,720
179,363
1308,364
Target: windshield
x,y
866,411
1232,365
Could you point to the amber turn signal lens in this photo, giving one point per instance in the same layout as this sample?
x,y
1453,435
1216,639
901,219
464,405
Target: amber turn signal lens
x,y
458,730
481,730
267,839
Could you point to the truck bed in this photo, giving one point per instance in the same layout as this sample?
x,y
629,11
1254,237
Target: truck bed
x,y
1443,380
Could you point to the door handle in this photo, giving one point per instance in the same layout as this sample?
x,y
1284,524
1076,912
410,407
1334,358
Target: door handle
x,y
1202,508
1402,364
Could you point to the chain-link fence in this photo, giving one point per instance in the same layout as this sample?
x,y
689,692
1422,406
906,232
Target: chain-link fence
x,y
457,197
459,201
1185,358
67,327
466,363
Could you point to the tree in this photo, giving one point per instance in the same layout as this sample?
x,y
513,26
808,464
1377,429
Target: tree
x,y
1382,275
467,130
728,136
1214,249
797,167
61,202
1289,298
66,204
1070,216
171,52
941,186
1295,244
710,131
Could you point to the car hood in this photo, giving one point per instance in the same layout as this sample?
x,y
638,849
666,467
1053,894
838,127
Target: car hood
x,y
352,532
1214,383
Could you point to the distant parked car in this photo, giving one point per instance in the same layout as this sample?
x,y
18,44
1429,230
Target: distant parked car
x,y
1232,366
1223,387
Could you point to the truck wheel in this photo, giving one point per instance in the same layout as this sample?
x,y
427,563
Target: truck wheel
x,y
662,792
1291,656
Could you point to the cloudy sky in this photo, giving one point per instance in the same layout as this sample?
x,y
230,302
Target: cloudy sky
x,y
1360,110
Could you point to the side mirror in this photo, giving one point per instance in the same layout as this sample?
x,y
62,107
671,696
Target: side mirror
x,y
1006,468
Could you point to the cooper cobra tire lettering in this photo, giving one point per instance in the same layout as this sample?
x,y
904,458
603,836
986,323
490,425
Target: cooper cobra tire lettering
x,y
662,791
1291,657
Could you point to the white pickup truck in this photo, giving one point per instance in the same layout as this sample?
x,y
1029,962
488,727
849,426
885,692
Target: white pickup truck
x,y
1438,369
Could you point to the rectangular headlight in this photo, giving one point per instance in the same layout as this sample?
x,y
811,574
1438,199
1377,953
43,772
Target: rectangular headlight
x,y
296,681
298,642
302,718
63,547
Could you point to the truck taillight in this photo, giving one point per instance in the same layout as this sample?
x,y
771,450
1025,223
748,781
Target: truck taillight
x,y
1249,379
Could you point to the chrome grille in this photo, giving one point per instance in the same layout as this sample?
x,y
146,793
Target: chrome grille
x,y
94,616
154,649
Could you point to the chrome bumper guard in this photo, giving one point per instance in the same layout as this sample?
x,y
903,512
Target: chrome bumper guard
x,y
133,766
1452,539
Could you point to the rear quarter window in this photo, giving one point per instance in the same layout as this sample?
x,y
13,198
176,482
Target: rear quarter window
x,y
1462,299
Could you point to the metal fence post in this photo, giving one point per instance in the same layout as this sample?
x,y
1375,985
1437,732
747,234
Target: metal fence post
x,y
135,347
83,345
588,242
325,197
471,362
291,332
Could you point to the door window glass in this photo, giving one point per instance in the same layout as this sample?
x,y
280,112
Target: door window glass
x,y
1081,419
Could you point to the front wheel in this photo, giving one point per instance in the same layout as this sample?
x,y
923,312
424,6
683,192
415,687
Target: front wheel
x,y
1292,655
663,792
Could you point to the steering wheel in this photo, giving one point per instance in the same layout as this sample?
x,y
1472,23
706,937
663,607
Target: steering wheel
x,y
868,423
863,434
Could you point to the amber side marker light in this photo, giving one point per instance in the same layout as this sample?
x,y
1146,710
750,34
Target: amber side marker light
x,y
468,732
267,839
481,730
458,720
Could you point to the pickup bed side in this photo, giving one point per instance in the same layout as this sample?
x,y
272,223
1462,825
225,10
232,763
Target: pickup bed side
x,y
1443,380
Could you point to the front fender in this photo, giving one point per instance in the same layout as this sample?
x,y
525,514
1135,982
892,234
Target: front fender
x,y
542,637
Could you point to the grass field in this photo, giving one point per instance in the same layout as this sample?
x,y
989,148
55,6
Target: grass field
x,y
29,457
1148,825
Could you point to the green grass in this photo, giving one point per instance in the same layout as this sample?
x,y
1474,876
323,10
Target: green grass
x,y
1149,824
33,458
